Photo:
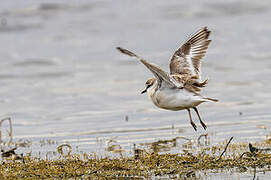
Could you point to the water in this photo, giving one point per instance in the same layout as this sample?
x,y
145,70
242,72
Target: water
x,y
62,78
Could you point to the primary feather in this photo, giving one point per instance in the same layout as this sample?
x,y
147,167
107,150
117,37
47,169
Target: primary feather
x,y
186,60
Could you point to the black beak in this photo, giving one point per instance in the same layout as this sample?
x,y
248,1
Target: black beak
x,y
145,90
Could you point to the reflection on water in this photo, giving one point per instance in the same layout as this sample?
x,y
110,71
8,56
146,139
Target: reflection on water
x,y
62,79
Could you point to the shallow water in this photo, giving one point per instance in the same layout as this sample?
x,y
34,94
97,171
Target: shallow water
x,y
62,79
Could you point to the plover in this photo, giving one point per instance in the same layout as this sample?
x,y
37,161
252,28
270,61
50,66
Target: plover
x,y
179,89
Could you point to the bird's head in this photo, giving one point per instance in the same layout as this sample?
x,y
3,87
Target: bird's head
x,y
149,83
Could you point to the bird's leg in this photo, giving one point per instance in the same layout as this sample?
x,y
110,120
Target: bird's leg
x,y
191,121
201,122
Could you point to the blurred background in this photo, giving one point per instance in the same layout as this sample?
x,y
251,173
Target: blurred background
x,y
63,80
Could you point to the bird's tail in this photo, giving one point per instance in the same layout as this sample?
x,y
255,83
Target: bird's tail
x,y
210,99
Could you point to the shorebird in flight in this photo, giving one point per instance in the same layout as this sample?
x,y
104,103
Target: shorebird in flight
x,y
181,88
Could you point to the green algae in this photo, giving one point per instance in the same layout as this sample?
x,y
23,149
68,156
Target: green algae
x,y
144,163
193,156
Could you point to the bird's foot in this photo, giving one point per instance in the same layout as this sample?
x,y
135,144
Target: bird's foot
x,y
203,125
194,125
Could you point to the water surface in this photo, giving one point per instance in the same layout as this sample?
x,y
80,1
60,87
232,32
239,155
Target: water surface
x,y
62,78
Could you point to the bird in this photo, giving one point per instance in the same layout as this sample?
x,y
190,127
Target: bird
x,y
10,154
179,89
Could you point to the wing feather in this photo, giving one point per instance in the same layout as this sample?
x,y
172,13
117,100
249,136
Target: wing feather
x,y
161,75
187,59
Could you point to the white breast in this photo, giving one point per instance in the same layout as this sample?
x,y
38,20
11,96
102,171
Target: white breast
x,y
174,99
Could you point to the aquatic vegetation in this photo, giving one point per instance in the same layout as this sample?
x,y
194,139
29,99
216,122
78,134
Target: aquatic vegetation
x,y
9,132
144,163
152,161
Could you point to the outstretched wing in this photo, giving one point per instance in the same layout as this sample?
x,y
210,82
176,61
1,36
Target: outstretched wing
x,y
186,60
160,74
